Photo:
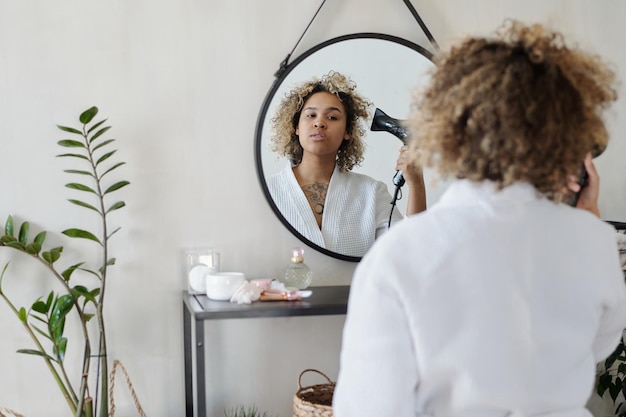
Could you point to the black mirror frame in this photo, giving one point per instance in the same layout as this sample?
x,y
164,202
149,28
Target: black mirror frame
x,y
280,78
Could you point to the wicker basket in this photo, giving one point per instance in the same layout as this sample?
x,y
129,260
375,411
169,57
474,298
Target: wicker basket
x,y
5,412
314,400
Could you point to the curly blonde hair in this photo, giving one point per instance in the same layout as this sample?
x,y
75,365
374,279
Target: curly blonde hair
x,y
518,107
284,140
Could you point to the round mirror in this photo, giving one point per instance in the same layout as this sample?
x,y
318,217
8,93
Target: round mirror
x,y
386,70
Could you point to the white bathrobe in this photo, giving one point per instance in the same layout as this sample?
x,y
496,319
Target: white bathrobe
x,y
356,210
489,304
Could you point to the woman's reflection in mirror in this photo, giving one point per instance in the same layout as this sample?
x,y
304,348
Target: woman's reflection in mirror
x,y
319,127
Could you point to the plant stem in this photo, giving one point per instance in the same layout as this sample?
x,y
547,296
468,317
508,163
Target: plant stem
x,y
83,324
68,393
102,350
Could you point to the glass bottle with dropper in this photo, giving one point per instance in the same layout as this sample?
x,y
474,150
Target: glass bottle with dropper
x,y
297,274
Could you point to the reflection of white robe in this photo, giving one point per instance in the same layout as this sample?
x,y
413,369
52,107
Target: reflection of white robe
x,y
356,209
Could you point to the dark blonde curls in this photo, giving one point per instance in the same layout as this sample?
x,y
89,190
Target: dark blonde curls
x,y
519,107
284,140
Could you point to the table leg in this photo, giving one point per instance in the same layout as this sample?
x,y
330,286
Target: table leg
x,y
188,362
200,388
200,370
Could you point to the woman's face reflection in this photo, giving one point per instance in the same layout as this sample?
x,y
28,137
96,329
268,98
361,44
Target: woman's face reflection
x,y
322,125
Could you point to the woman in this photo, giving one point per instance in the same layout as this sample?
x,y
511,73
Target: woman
x,y
319,127
503,298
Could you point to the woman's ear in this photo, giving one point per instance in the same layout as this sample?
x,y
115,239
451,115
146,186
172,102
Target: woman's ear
x,y
346,136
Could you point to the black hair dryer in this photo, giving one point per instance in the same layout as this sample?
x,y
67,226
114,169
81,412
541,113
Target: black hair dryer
x,y
583,176
383,122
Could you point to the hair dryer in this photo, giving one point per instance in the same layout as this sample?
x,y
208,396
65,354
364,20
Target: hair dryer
x,y
583,177
383,122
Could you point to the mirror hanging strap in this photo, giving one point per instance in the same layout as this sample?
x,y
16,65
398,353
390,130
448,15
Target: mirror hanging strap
x,y
409,5
285,62
420,22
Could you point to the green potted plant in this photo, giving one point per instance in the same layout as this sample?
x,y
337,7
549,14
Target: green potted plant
x,y
611,377
44,320
241,411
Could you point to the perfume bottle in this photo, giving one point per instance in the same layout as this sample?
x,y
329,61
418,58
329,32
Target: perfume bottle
x,y
297,274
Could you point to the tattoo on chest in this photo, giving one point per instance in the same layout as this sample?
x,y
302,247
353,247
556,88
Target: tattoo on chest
x,y
316,194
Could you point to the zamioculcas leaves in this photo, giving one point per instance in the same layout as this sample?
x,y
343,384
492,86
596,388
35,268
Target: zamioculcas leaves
x,y
5,239
110,261
116,186
119,164
41,332
603,383
116,206
69,143
70,130
97,125
49,300
40,307
83,204
83,234
36,353
38,318
80,187
69,271
15,245
8,227
23,235
76,171
60,308
33,248
612,357
22,314
82,291
614,389
40,238
104,157
106,142
52,255
59,349
75,155
88,115
99,133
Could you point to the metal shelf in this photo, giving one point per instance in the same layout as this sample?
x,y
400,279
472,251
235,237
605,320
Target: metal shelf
x,y
326,300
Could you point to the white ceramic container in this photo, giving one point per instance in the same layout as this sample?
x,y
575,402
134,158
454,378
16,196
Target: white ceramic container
x,y
222,285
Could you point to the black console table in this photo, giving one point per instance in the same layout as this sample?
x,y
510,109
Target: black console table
x,y
327,300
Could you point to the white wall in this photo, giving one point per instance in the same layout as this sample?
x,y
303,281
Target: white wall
x,y
181,82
